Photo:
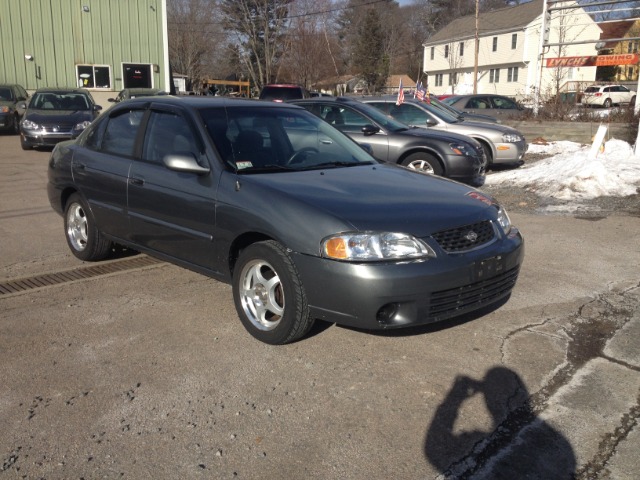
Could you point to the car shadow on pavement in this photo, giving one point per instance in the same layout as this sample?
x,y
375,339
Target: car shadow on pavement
x,y
518,445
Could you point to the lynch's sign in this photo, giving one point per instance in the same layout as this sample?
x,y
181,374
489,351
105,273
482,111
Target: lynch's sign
x,y
594,61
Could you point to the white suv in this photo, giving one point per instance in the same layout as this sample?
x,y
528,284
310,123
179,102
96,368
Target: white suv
x,y
608,95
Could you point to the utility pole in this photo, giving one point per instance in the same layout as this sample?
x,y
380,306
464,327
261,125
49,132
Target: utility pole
x,y
476,50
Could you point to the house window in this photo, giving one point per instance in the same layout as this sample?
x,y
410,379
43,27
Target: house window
x,y
453,78
494,75
439,79
495,44
514,41
461,48
446,51
93,76
433,52
632,47
512,74
136,75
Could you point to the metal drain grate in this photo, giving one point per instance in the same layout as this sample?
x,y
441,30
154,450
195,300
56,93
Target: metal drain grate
x,y
80,273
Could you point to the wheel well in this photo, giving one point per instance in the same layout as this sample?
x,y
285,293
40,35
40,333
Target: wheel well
x,y
242,242
486,145
433,153
64,197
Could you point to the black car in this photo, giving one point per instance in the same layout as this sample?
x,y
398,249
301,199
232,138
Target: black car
x,y
56,114
301,221
281,92
128,93
12,98
439,153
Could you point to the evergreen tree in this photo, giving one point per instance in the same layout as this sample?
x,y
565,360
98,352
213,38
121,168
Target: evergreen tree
x,y
369,56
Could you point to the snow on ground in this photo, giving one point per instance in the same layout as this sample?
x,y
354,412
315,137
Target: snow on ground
x,y
570,173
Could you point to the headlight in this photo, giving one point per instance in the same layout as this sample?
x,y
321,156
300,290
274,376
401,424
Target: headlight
x,y
375,246
504,221
511,138
82,125
5,109
462,149
30,125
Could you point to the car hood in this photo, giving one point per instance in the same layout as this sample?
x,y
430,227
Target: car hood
x,y
7,103
374,198
64,116
443,135
490,126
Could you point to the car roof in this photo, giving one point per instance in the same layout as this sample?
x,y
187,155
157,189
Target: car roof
x,y
198,102
61,90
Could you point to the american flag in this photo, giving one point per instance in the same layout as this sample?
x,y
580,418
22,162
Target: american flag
x,y
420,91
400,99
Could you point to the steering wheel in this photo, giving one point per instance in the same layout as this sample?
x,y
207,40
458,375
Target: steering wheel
x,y
301,154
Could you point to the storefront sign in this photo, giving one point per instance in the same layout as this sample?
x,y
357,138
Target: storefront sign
x,y
594,61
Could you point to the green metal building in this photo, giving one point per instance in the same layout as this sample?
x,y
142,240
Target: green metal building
x,y
101,45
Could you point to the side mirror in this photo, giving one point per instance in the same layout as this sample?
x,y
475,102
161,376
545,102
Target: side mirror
x,y
97,108
184,162
431,122
369,130
112,100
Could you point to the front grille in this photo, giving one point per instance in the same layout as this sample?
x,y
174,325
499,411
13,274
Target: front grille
x,y
465,238
57,128
449,303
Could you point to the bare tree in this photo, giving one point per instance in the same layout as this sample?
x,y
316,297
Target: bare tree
x,y
192,34
257,28
308,57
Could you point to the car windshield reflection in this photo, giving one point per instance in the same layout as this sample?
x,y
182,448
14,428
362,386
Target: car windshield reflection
x,y
54,101
257,140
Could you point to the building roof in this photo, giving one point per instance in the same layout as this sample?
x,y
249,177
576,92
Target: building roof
x,y
393,81
496,21
615,29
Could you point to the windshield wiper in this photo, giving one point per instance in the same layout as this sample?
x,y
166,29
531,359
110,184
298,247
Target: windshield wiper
x,y
336,165
268,168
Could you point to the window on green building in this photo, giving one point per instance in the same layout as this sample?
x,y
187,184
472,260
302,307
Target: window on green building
x,y
93,76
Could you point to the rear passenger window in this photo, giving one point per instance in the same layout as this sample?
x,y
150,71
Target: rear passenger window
x,y
121,131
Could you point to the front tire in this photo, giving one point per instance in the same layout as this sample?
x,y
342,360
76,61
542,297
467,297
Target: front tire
x,y
25,145
16,125
83,237
269,295
423,162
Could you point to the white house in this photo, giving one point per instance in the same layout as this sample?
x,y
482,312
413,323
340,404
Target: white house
x,y
508,54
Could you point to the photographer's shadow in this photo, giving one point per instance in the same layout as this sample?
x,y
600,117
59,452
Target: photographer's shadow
x,y
518,445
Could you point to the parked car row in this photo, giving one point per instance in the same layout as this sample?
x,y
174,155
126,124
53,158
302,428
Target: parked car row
x,y
300,220
52,115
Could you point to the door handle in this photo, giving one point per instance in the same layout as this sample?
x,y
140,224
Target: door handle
x,y
136,181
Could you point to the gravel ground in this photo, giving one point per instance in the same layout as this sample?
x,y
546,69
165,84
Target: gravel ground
x,y
526,200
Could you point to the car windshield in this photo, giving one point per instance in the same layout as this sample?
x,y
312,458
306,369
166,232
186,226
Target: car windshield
x,y
267,140
59,101
280,93
441,113
385,121
6,94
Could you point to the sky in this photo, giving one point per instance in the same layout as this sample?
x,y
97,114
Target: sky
x,y
570,174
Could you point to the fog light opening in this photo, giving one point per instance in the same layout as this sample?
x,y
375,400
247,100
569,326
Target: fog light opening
x,y
387,313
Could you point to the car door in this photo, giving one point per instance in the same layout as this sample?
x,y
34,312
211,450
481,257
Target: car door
x,y
352,122
101,169
173,212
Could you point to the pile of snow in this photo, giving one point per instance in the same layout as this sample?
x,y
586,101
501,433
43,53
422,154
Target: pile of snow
x,y
571,174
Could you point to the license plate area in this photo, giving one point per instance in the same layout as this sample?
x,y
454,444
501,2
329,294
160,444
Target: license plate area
x,y
487,268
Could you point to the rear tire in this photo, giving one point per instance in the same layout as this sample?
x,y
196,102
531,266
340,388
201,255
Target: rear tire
x,y
423,162
269,295
83,237
607,103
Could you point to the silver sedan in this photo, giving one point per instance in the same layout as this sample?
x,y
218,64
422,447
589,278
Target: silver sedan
x,y
502,144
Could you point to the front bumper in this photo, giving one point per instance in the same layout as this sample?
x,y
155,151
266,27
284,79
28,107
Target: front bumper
x,y
469,170
44,138
510,152
393,295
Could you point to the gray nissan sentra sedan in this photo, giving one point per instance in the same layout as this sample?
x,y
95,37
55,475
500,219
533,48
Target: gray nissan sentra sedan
x,y
301,221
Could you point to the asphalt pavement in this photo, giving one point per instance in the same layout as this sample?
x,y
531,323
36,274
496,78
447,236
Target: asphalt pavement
x,y
141,369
